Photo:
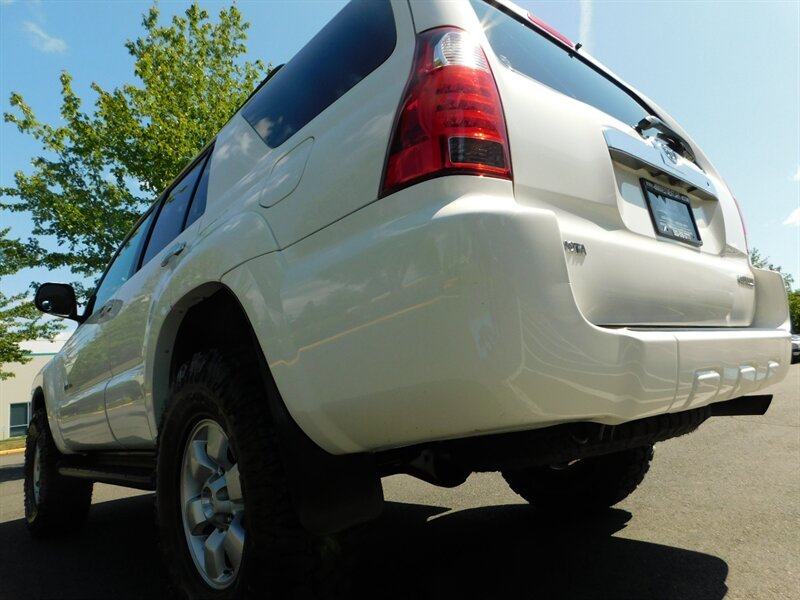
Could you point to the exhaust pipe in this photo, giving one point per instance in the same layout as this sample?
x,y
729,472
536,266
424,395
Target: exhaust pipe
x,y
744,405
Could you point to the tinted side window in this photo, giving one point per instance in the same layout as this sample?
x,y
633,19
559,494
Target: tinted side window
x,y
121,268
524,50
173,210
198,206
346,50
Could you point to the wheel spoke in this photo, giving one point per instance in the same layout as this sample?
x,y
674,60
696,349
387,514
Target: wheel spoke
x,y
234,542
234,484
196,517
214,554
200,464
217,447
221,502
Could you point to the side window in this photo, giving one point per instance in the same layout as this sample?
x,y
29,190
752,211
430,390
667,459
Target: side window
x,y
171,214
198,206
345,51
123,265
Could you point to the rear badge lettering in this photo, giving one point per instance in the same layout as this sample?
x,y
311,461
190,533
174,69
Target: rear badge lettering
x,y
574,247
746,281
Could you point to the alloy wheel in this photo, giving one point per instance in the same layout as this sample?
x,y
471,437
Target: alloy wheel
x,y
212,504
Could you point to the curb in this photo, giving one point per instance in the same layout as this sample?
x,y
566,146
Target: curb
x,y
12,451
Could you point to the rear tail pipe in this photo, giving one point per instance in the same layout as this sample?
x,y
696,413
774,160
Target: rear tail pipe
x,y
744,405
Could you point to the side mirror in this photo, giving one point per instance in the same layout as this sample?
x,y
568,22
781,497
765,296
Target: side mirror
x,y
57,299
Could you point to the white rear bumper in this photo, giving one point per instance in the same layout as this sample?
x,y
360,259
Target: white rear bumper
x,y
407,322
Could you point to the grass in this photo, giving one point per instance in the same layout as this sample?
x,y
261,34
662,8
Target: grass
x,y
13,443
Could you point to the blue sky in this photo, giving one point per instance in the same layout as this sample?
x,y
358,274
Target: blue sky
x,y
728,71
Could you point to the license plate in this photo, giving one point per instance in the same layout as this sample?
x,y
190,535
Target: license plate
x,y
671,213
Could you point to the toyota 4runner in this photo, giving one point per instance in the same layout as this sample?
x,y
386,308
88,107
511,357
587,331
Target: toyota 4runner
x,y
441,239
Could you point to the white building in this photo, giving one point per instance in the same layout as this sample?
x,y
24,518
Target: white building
x,y
15,393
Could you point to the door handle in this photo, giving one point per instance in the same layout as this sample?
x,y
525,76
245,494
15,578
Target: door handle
x,y
174,251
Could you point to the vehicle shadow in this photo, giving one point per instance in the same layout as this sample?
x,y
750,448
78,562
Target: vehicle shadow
x,y
509,552
114,556
411,552
12,473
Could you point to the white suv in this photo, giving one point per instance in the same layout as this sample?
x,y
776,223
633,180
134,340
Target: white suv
x,y
441,239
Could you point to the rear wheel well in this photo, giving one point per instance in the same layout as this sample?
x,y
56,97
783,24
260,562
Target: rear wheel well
x,y
37,400
209,317
329,493
217,322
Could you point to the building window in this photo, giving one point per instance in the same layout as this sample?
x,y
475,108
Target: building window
x,y
19,414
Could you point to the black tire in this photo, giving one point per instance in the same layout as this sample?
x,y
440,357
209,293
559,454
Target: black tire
x,y
279,559
589,485
54,505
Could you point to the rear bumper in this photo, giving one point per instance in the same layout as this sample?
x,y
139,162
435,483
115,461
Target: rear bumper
x,y
554,445
413,322
566,368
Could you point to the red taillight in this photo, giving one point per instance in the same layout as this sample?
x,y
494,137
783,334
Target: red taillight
x,y
451,120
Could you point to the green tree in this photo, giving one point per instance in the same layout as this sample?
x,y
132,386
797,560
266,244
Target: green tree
x,y
763,262
794,310
19,319
100,169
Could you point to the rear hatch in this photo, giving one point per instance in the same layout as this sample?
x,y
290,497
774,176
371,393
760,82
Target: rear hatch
x,y
651,234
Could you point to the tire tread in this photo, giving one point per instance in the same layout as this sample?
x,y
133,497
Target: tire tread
x,y
64,502
598,484
280,557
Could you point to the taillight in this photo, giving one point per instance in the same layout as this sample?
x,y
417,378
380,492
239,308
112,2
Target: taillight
x,y
451,120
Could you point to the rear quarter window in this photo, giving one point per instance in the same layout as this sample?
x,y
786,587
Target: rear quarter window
x,y
198,206
172,213
345,51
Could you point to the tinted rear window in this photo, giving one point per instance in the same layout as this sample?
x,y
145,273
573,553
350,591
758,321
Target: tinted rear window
x,y
200,194
523,49
172,213
346,50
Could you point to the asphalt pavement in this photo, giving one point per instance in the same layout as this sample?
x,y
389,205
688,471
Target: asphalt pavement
x,y
718,516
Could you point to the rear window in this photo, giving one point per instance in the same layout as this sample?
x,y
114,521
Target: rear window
x,y
350,47
171,214
523,49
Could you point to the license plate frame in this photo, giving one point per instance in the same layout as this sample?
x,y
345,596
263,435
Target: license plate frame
x,y
671,213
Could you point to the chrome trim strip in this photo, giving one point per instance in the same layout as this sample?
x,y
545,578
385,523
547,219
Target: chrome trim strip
x,y
636,154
